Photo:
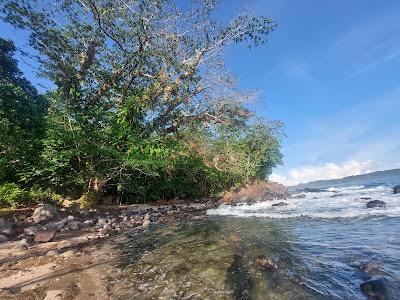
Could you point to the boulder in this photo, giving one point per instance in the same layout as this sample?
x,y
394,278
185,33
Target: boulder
x,y
251,202
45,213
396,189
44,236
74,225
280,204
376,289
4,223
376,203
261,191
10,232
3,238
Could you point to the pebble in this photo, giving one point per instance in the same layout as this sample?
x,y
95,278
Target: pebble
x,y
53,252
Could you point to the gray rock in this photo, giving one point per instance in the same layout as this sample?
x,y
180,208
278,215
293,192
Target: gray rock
x,y
4,224
44,236
87,223
53,252
396,189
22,244
101,221
10,232
376,203
376,289
29,231
70,218
45,213
3,238
107,227
74,225
280,204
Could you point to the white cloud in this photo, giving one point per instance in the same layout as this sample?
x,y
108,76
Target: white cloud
x,y
326,171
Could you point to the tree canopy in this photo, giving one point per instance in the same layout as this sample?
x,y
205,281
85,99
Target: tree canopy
x,y
143,107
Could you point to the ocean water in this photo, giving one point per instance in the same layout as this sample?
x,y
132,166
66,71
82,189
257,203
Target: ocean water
x,y
319,244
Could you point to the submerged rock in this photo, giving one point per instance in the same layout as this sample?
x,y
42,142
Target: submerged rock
x,y
396,189
265,263
376,289
280,204
45,213
370,267
376,203
44,236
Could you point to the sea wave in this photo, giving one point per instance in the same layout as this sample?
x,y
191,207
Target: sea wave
x,y
343,202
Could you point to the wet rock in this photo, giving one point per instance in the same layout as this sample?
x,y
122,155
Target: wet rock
x,y
44,236
376,289
337,195
396,189
365,198
265,263
370,267
22,244
280,204
376,203
45,213
299,196
53,252
3,238
74,225
251,202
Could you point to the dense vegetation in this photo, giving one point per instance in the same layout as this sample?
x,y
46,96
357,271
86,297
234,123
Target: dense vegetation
x,y
142,107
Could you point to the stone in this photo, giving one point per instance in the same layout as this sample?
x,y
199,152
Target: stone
x,y
146,223
52,252
376,289
74,225
4,224
370,267
54,295
376,203
45,213
3,238
280,204
114,220
68,253
265,263
107,227
29,231
251,202
101,221
396,189
22,244
365,198
88,223
44,236
70,218
10,232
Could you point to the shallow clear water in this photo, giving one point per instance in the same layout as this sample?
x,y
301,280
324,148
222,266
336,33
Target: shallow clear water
x,y
318,244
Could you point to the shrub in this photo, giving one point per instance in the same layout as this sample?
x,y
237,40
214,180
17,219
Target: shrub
x,y
11,195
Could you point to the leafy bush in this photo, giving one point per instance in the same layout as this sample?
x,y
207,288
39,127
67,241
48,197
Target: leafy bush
x,y
11,195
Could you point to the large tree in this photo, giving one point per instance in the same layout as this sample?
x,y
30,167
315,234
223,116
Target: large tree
x,y
21,118
132,77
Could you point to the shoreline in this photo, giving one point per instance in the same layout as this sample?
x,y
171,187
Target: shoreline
x,y
80,263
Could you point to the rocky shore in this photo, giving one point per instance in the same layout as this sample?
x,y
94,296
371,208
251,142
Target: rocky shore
x,y
67,252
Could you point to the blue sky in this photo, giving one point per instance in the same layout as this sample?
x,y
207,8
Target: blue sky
x,y
331,73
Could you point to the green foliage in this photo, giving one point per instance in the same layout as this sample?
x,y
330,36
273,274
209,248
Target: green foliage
x,y
143,108
11,195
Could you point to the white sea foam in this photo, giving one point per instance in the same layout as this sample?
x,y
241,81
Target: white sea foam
x,y
344,202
